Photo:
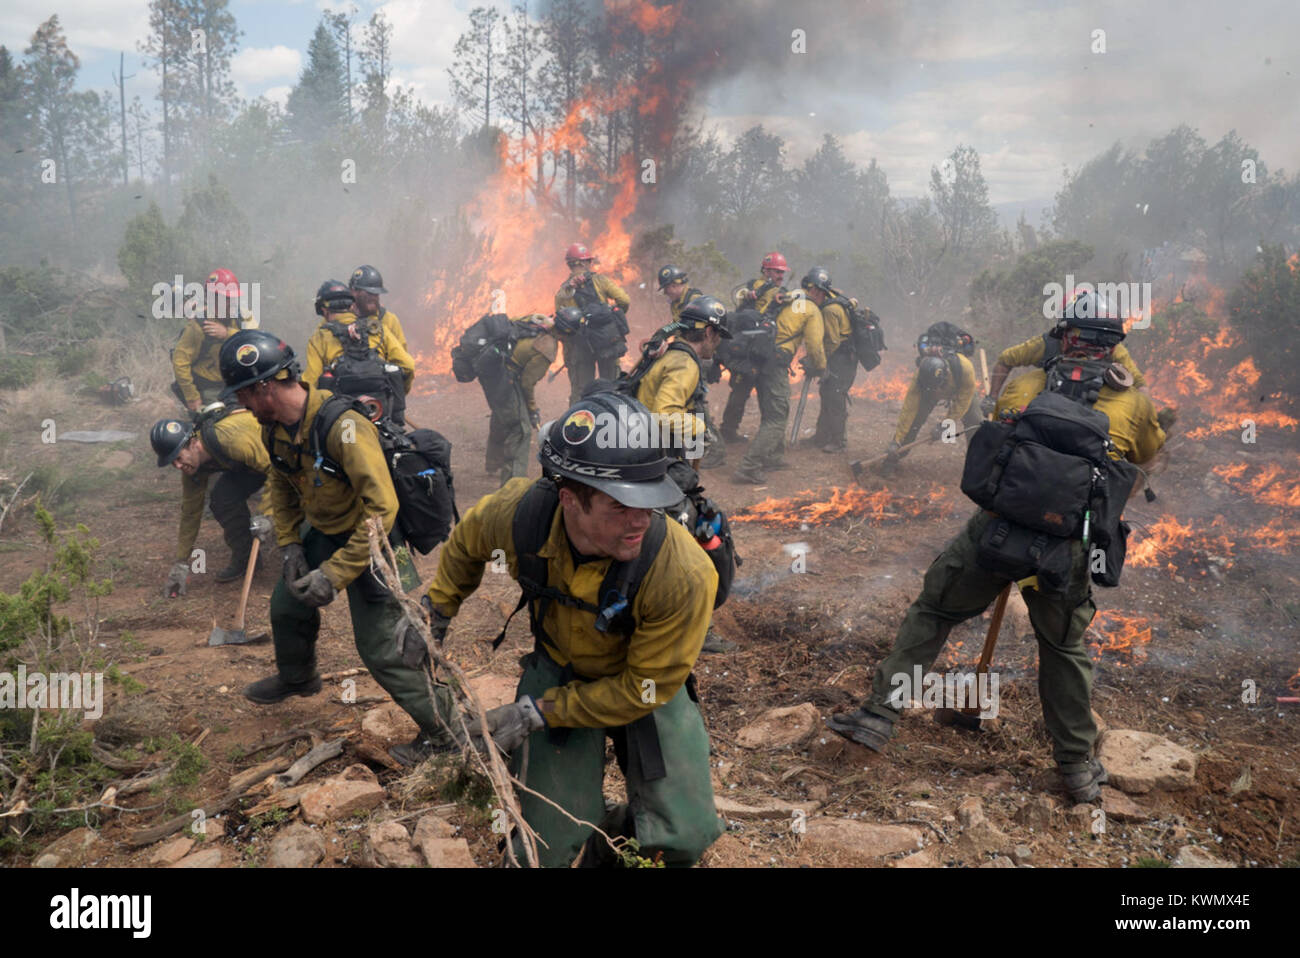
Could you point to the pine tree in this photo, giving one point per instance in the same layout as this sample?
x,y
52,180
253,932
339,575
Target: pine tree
x,y
318,103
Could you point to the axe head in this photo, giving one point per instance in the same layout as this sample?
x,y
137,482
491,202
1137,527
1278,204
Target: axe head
x,y
220,636
964,720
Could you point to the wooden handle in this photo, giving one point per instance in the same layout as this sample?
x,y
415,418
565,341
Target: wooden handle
x,y
248,582
995,626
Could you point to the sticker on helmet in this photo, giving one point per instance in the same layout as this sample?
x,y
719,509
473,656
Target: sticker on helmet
x,y
579,427
173,426
247,355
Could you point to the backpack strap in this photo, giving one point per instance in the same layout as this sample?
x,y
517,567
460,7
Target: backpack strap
x,y
208,433
530,529
1051,349
327,415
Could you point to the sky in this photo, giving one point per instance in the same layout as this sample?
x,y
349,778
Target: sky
x,y
902,82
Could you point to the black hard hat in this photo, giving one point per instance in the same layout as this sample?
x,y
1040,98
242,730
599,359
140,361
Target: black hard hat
x,y
168,437
931,372
567,319
333,296
671,274
249,356
367,279
600,443
704,312
1092,316
817,278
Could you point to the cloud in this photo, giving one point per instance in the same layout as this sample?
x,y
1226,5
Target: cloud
x,y
277,94
256,65
91,26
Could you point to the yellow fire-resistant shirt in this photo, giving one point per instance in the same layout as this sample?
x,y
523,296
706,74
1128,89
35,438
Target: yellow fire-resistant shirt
x,y
195,355
1031,352
606,288
959,395
675,307
667,389
836,322
333,506
765,298
801,322
240,440
532,357
672,610
393,326
1133,427
324,349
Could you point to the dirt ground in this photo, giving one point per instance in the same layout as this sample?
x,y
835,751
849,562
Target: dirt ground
x,y
1203,623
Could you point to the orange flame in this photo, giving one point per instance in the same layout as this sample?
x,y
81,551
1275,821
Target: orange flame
x,y
1124,635
854,502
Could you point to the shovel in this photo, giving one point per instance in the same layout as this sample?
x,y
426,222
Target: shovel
x,y
238,636
969,717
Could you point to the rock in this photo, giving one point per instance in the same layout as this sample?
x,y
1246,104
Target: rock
x,y
819,792
172,852
1139,762
429,831
1195,718
927,857
69,850
970,812
1192,856
999,783
767,810
213,830
1099,722
1002,861
296,846
390,846
352,790
1037,812
389,723
1016,619
1021,854
979,841
1080,818
448,853
207,858
1120,807
133,719
494,690
862,839
779,728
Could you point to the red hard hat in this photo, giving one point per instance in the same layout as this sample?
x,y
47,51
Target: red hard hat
x,y
576,253
774,261
223,281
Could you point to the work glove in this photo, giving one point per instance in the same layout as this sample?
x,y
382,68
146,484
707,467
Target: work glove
x,y
891,453
510,725
262,527
534,418
987,405
314,589
410,643
806,363
176,580
295,563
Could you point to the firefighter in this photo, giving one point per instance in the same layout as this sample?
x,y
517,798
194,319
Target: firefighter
x,y
957,588
798,322
227,443
943,374
1039,352
607,662
512,396
194,357
761,295
675,285
320,504
339,359
841,361
367,286
593,293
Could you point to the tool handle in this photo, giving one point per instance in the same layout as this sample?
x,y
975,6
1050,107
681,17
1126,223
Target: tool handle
x,y
995,626
248,581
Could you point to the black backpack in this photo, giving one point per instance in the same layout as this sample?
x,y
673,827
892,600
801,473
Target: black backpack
x,y
1048,478
948,336
867,337
484,348
605,331
753,342
419,463
362,371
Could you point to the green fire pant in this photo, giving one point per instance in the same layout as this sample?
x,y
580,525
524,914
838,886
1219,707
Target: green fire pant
x,y
833,417
510,432
734,411
957,589
229,501
673,815
582,366
295,626
773,388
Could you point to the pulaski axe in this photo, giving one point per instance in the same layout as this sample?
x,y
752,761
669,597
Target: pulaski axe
x,y
237,635
969,717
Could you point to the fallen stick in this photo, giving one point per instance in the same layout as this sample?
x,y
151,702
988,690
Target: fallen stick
x,y
286,799
247,779
318,756
289,736
330,676
141,784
